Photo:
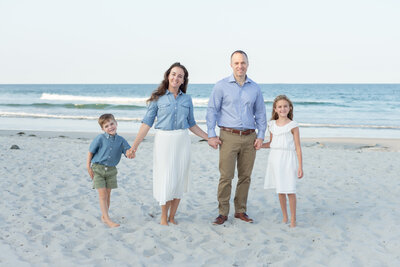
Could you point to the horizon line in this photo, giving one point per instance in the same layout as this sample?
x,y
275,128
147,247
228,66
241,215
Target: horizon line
x,y
393,83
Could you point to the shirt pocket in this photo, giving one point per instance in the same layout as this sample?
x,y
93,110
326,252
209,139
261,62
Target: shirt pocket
x,y
184,110
164,109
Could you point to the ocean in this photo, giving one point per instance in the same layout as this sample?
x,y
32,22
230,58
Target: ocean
x,y
323,110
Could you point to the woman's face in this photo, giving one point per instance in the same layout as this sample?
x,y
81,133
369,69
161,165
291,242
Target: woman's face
x,y
176,78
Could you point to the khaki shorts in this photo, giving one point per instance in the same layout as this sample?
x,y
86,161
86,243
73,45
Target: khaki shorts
x,y
104,176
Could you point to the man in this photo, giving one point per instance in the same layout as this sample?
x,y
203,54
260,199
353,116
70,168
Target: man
x,y
236,105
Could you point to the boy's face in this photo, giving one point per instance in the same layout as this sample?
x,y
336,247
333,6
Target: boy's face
x,y
110,127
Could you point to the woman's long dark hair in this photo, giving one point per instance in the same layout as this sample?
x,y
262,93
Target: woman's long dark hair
x,y
163,87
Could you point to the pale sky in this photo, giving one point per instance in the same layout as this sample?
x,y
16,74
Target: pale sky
x,y
127,41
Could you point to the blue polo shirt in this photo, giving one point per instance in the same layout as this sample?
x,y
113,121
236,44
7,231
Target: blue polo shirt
x,y
172,113
107,149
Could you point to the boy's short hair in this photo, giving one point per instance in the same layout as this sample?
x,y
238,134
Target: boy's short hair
x,y
104,118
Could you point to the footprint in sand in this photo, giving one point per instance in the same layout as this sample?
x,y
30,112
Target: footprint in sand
x,y
166,257
89,224
59,227
36,226
66,212
79,206
149,252
243,253
262,252
46,239
283,248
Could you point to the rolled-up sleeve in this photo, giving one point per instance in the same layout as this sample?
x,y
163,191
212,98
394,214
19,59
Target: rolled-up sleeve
x,y
151,113
191,120
260,115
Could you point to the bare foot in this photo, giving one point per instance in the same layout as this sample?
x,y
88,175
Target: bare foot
x,y
164,222
109,222
292,224
285,219
172,220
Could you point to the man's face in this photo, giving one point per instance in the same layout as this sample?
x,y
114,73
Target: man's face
x,y
110,127
239,65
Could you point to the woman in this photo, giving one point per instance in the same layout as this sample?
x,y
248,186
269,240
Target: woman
x,y
171,160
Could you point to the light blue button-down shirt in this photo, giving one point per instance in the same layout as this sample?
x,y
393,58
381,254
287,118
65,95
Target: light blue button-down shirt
x,y
235,106
172,113
107,149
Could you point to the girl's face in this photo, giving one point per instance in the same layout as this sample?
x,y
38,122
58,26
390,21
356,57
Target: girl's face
x,y
282,108
176,77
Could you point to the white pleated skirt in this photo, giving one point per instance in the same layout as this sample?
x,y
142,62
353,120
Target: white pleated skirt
x,y
171,165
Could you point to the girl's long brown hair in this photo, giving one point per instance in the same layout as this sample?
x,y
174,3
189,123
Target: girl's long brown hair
x,y
163,87
274,115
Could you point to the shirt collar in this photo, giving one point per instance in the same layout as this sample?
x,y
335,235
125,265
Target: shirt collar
x,y
168,92
232,79
108,136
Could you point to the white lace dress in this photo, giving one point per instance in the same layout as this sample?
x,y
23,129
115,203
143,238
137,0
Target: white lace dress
x,y
282,162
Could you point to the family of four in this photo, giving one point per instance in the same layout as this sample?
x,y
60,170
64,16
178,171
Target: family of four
x,y
237,106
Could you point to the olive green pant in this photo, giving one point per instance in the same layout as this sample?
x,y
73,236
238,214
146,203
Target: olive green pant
x,y
240,149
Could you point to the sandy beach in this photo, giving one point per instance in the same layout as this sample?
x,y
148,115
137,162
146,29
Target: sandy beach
x,y
348,208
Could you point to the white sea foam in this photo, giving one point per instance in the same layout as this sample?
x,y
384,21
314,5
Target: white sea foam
x,y
52,116
347,126
95,99
82,117
197,102
200,102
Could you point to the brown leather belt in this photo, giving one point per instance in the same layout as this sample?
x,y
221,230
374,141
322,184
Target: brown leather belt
x,y
239,132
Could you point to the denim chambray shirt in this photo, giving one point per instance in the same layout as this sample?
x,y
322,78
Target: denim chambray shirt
x,y
107,149
172,113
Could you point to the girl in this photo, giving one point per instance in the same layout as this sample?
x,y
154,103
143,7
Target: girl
x,y
282,169
173,109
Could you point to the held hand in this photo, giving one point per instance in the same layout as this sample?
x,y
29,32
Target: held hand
x,y
90,171
265,145
300,173
214,142
258,143
131,153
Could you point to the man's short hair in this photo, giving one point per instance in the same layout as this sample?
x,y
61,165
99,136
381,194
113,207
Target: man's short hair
x,y
105,118
240,52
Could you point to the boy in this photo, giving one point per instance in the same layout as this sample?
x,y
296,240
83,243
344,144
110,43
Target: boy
x,y
104,154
